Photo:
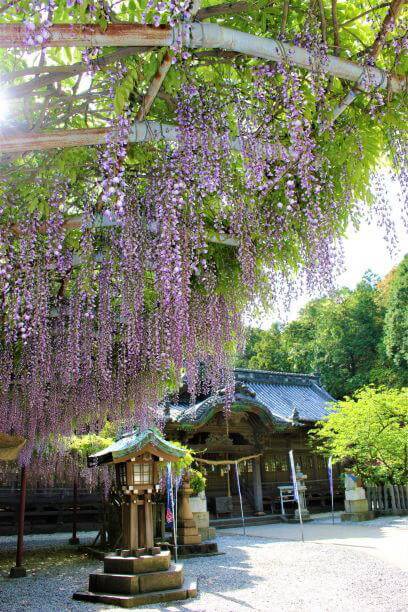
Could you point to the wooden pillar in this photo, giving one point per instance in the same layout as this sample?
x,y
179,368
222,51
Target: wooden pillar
x,y
130,529
257,486
149,540
74,539
19,571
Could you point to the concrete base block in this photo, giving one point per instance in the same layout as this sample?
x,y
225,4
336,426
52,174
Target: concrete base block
x,y
159,581
206,533
356,505
358,516
189,589
198,550
18,572
189,539
121,584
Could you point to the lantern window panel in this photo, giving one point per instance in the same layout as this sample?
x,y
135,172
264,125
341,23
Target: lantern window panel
x,y
142,473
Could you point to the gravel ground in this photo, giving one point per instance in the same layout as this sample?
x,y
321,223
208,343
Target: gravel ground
x,y
254,574
44,540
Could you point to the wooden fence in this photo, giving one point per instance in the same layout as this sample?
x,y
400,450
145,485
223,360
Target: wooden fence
x,y
49,510
388,499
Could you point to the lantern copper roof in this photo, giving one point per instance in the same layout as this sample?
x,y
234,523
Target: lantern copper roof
x,y
135,443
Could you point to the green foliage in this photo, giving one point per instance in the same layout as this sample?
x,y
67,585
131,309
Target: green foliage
x,y
342,337
396,319
91,443
197,481
370,432
183,465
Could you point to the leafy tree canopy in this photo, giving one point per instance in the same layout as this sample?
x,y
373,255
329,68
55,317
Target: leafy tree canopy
x,y
370,432
342,337
396,318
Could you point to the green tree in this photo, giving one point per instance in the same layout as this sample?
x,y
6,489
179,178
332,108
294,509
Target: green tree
x,y
340,337
348,336
370,431
396,321
253,336
269,353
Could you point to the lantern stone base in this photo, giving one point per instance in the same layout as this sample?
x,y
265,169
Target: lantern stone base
x,y
198,550
134,580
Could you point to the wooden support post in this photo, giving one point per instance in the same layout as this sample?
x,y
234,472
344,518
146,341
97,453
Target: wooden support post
x,y
149,542
257,486
19,571
74,539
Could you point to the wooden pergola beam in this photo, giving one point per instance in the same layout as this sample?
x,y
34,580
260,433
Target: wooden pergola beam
x,y
102,222
157,81
143,131
202,35
373,52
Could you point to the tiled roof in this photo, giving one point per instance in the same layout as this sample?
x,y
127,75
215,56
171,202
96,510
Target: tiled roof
x,y
278,394
282,392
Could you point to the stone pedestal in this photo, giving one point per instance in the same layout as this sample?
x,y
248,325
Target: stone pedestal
x,y
187,532
136,578
355,503
188,536
198,507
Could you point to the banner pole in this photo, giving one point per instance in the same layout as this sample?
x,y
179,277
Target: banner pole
x,y
296,492
240,496
172,509
330,470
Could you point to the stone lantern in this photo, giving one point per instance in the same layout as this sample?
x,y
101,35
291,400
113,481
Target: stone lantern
x,y
139,573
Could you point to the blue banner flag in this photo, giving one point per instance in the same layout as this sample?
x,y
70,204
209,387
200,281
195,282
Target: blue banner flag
x,y
330,471
169,498
293,473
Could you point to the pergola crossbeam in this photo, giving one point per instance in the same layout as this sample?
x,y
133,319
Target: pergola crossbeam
x,y
202,35
143,131
387,24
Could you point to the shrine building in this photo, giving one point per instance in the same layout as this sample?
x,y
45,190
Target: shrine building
x,y
271,413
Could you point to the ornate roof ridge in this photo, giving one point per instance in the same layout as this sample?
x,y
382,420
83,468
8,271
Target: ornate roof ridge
x,y
253,375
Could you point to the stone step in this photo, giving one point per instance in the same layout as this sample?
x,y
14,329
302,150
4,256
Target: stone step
x,y
189,589
114,564
159,581
121,584
236,521
129,584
